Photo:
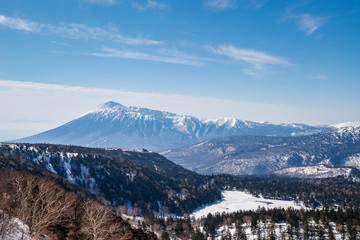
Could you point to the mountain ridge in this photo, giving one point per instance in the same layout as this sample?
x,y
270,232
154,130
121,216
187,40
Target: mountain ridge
x,y
243,155
114,125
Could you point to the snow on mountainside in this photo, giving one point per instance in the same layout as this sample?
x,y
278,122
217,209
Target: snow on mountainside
x,y
114,125
245,155
317,171
346,124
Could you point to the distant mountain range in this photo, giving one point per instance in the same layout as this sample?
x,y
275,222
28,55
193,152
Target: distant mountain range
x,y
114,125
247,155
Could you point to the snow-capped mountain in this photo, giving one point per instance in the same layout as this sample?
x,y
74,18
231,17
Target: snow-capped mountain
x,y
114,125
245,155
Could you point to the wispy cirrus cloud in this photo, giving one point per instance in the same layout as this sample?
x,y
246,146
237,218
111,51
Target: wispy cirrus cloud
x,y
259,61
307,23
319,76
149,4
80,31
258,3
74,31
162,56
19,24
102,2
249,55
220,5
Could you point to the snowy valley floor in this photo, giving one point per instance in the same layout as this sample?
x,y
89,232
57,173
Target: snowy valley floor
x,y
233,201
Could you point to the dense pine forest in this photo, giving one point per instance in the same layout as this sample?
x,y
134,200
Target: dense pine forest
x,y
262,224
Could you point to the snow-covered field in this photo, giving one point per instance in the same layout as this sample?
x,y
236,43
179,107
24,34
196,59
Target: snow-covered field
x,y
233,201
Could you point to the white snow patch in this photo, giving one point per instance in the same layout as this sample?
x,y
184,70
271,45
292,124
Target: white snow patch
x,y
131,176
13,228
233,201
70,155
165,152
317,171
67,166
353,161
50,168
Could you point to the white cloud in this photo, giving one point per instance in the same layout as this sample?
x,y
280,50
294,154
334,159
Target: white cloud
x,y
258,3
249,55
74,31
308,23
220,5
259,61
43,106
168,58
19,24
80,31
104,2
153,4
319,76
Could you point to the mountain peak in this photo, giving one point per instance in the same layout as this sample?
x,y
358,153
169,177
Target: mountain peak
x,y
111,104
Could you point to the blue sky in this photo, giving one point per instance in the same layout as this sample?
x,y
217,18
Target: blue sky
x,y
299,55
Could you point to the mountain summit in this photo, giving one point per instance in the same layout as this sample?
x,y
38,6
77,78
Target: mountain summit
x,y
111,104
114,125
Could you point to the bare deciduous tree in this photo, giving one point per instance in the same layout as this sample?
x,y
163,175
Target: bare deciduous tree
x,y
42,204
99,221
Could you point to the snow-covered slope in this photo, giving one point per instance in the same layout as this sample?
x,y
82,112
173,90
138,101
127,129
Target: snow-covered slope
x,y
346,124
244,155
114,125
317,171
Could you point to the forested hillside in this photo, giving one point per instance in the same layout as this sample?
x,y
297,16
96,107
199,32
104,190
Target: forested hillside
x,y
141,182
36,206
136,182
147,185
262,225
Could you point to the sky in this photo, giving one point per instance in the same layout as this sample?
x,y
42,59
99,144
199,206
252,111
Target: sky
x,y
257,60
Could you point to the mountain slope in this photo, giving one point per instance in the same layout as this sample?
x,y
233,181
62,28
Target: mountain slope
x,y
114,125
37,204
137,180
244,155
316,171
140,182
